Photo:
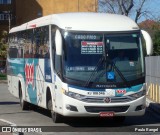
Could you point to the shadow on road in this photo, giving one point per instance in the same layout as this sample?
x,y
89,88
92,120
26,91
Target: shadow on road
x,y
155,107
9,103
89,122
14,113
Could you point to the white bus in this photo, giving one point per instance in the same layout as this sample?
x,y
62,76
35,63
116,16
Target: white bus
x,y
71,64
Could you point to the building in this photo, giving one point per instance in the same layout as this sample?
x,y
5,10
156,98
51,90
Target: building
x,y
21,11
7,14
35,8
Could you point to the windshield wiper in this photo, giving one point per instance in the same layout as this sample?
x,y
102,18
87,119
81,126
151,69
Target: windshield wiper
x,y
120,74
101,60
105,58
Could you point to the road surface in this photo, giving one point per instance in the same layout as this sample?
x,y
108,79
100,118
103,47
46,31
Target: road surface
x,y
10,111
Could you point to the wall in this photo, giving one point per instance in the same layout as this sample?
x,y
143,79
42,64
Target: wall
x,y
4,24
153,78
27,10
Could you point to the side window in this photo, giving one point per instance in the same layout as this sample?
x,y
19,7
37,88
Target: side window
x,y
45,42
13,42
13,52
57,63
41,42
21,40
28,43
36,42
53,43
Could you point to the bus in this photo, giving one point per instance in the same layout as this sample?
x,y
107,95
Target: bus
x,y
67,63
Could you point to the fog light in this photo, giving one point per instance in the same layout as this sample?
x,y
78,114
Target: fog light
x,y
71,108
140,107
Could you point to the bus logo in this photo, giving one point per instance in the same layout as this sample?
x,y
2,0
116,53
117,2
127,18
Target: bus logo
x,y
107,100
29,72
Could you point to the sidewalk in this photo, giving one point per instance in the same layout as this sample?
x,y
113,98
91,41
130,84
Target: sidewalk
x,y
3,81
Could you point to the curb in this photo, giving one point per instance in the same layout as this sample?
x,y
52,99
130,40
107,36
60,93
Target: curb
x,y
153,106
3,81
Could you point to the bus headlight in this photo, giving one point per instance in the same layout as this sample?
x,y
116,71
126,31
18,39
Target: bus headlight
x,y
74,95
138,94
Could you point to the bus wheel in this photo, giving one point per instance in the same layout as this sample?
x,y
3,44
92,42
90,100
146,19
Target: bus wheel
x,y
55,116
23,104
119,119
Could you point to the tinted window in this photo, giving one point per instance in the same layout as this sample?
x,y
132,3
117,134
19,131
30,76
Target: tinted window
x,y
41,42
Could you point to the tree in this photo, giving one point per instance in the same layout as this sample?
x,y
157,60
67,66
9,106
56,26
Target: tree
x,y
153,28
132,8
3,45
156,43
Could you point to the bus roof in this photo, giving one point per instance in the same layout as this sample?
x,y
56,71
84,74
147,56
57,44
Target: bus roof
x,y
83,22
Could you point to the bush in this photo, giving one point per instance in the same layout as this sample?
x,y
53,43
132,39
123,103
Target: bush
x,y
3,76
156,43
3,45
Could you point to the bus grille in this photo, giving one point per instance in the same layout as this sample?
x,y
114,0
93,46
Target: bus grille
x,y
101,99
98,109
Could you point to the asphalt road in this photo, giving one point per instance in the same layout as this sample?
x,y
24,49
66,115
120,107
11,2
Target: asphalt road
x,y
10,111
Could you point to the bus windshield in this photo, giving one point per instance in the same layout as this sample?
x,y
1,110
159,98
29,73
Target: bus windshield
x,y
84,57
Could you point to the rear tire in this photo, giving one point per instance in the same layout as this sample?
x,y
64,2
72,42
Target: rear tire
x,y
55,116
23,104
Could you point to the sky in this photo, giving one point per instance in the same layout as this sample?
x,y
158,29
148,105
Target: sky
x,y
153,6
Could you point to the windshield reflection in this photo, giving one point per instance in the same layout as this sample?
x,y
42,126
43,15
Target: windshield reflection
x,y
82,53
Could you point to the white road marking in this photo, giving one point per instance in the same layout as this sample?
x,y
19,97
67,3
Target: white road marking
x,y
11,124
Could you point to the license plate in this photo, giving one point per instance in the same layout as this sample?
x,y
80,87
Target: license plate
x,y
106,114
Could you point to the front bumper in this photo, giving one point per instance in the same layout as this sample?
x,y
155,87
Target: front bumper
x,y
73,107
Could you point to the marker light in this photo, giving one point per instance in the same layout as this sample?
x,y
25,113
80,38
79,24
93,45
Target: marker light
x,y
138,94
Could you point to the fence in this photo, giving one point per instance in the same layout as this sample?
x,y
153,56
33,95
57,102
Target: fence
x,y
153,78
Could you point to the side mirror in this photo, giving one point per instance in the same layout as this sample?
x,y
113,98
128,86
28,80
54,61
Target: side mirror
x,y
58,42
148,40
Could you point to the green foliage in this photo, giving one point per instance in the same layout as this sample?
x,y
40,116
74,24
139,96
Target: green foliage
x,y
3,45
3,76
156,43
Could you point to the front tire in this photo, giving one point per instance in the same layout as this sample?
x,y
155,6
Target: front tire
x,y
55,116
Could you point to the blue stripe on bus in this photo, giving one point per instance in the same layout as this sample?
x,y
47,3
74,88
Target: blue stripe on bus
x,y
133,88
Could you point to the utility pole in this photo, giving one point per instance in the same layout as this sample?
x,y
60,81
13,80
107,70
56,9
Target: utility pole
x,y
9,20
78,5
96,6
